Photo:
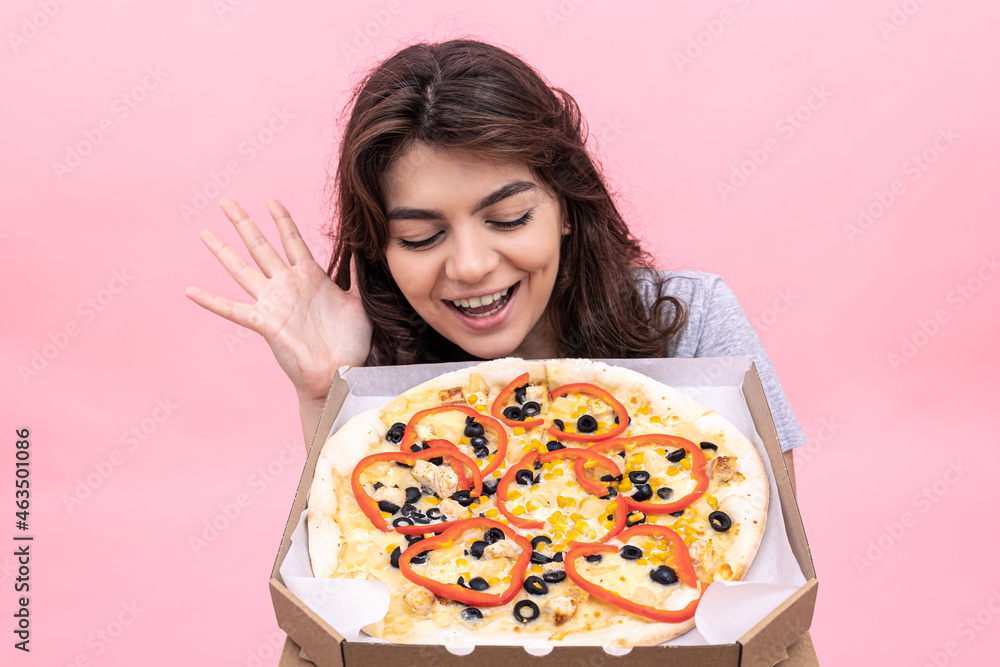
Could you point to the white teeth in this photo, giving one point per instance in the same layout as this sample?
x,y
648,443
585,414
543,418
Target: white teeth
x,y
477,301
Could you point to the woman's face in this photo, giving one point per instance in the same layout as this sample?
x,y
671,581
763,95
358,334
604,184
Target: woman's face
x,y
474,248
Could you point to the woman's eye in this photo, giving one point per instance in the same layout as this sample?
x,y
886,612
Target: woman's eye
x,y
513,223
423,243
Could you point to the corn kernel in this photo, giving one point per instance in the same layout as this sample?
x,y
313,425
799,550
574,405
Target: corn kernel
x,y
518,511
558,546
461,562
608,524
473,507
651,519
673,472
463,440
726,571
712,502
558,472
634,459
572,535
625,485
580,527
483,500
481,408
655,419
472,398
531,505
492,513
686,463
518,430
467,575
690,530
642,561
547,476
535,569
493,581
506,580
386,515
514,494
643,410
591,533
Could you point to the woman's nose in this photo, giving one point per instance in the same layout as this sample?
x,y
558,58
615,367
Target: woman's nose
x,y
472,256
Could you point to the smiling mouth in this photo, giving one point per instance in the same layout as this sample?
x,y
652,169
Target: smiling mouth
x,y
484,306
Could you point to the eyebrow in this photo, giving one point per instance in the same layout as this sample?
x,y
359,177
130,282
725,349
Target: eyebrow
x,y
498,195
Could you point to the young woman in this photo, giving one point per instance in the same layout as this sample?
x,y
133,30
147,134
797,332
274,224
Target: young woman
x,y
471,224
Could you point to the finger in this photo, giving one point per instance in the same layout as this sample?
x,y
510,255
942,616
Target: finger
x,y
354,276
248,277
260,248
291,240
238,313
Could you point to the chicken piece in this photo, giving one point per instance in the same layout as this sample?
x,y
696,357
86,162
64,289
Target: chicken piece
x,y
537,393
722,469
419,599
601,410
425,433
502,549
577,593
561,608
452,509
453,396
440,480
704,556
392,494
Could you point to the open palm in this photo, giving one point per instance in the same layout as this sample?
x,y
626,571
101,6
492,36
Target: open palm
x,y
312,326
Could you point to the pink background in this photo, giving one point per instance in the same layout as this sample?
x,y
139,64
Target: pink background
x,y
902,576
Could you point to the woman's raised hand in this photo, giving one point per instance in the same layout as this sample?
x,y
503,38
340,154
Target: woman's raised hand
x,y
312,326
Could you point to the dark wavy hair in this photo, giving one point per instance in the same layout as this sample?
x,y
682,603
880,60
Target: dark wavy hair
x,y
473,97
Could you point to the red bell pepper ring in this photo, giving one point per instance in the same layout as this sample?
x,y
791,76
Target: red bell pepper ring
x,y
460,593
594,390
500,402
370,507
681,564
410,433
588,484
698,473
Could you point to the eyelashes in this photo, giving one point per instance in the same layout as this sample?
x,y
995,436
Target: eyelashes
x,y
425,243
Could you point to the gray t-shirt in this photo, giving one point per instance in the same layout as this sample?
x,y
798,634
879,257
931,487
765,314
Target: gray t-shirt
x,y
717,327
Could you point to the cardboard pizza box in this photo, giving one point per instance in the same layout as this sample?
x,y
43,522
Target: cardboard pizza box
x,y
768,643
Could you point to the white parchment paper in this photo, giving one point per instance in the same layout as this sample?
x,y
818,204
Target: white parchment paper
x,y
727,610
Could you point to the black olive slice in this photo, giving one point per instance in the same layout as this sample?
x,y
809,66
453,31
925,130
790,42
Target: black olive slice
x,y
415,447
677,455
553,445
471,614
594,558
513,413
408,509
642,492
394,557
402,521
395,433
377,485
420,558
612,492
558,423
386,506
530,409
462,497
664,574
634,519
664,492
536,540
478,584
437,460
412,494
434,513
638,476
490,486
474,430
617,421
477,548
630,552
461,582
412,539
480,446
558,558
524,477
677,513
535,586
720,521
520,394
530,607
709,445
539,558
586,424
554,576
420,517
494,535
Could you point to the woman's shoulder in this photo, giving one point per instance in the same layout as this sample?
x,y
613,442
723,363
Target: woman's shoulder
x,y
694,288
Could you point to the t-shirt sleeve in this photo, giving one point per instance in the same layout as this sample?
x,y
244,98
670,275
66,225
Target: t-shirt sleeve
x,y
726,331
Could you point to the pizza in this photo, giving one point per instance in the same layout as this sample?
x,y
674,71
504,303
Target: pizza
x,y
517,501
